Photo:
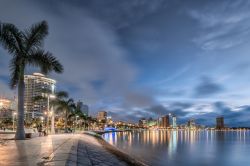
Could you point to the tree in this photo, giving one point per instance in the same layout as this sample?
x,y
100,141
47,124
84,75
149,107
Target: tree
x,y
47,93
26,50
68,108
78,112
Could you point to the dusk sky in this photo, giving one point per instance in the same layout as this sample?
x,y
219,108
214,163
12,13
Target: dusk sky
x,y
146,58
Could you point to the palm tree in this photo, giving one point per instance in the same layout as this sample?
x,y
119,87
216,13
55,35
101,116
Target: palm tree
x,y
26,50
81,115
78,113
60,95
68,108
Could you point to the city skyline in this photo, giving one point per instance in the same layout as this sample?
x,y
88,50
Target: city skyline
x,y
135,59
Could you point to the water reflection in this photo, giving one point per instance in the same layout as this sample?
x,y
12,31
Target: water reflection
x,y
189,147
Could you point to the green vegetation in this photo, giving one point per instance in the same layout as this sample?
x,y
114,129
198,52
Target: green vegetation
x,y
25,47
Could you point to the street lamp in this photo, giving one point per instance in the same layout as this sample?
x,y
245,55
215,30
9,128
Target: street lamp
x,y
42,118
14,115
51,96
76,120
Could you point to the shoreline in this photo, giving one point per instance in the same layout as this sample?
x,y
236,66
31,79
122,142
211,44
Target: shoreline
x,y
114,150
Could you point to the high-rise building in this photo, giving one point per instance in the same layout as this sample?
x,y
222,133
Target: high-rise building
x,y
102,116
142,122
174,122
36,85
220,123
7,108
163,122
109,120
151,122
5,103
83,107
191,123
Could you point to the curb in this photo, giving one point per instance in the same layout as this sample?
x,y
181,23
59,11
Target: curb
x,y
118,153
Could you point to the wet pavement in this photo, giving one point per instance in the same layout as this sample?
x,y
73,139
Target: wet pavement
x,y
63,149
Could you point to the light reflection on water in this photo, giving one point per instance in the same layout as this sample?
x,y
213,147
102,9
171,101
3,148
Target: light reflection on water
x,y
184,148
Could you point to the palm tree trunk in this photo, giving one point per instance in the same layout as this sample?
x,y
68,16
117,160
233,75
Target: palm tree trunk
x,y
20,133
52,120
66,121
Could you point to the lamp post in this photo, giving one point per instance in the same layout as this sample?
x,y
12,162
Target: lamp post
x,y
51,96
51,113
76,120
42,118
14,115
46,113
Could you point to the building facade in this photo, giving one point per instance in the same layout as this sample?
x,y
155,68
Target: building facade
x,y
102,116
174,125
163,122
7,108
220,123
191,124
5,103
37,85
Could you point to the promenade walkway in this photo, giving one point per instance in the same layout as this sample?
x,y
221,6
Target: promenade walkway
x,y
53,150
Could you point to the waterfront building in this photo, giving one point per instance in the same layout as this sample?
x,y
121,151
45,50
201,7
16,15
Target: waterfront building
x,y
83,107
143,123
5,103
191,124
151,122
7,108
102,116
109,120
163,122
174,125
36,85
220,123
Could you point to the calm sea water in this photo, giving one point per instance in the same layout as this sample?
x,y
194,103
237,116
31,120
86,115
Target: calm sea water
x,y
185,148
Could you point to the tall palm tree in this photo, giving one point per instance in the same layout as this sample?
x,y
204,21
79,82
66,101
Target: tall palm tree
x,y
82,116
26,50
60,95
67,106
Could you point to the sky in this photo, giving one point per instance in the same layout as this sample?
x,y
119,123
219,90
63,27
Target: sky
x,y
144,58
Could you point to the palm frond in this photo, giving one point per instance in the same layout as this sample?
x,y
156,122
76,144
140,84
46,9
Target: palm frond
x,y
35,35
11,38
61,95
45,61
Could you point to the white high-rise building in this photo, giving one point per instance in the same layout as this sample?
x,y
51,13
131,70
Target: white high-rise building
x,y
36,85
174,121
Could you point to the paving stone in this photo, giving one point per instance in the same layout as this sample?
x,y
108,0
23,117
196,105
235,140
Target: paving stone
x,y
58,150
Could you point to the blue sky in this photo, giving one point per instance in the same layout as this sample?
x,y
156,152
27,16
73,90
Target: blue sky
x,y
143,58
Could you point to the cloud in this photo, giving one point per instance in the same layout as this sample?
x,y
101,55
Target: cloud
x,y
175,108
204,113
129,115
207,87
5,90
97,69
122,14
176,75
223,24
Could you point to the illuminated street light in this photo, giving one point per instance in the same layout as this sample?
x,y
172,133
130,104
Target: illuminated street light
x,y
76,119
14,115
52,96
42,118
